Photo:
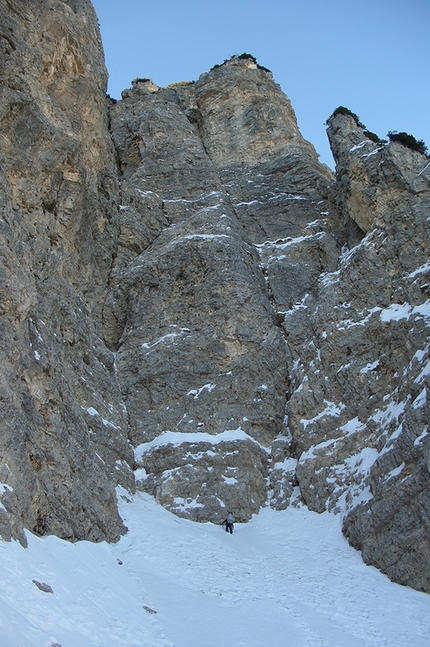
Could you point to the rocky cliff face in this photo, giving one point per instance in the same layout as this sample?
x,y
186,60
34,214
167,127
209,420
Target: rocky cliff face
x,y
58,226
192,304
201,356
381,296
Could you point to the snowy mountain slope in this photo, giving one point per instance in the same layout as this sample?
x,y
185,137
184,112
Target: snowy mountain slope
x,y
285,579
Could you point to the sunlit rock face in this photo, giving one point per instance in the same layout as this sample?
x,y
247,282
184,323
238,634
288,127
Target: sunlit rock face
x,y
63,443
203,360
192,304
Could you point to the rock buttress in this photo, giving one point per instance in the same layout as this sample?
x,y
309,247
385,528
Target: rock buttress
x,y
202,359
358,410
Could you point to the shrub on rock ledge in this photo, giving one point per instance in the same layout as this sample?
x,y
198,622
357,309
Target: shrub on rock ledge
x,y
341,110
409,141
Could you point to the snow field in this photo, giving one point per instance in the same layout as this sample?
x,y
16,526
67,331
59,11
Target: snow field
x,y
285,579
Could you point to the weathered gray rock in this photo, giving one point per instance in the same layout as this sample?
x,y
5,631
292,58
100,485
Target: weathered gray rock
x,y
357,411
42,586
199,350
201,479
194,302
59,459
246,118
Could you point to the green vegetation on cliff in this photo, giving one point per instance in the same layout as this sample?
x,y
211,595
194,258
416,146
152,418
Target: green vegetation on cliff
x,y
409,141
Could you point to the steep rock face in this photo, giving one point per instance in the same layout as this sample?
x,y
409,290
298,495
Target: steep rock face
x,y
202,359
344,317
197,300
244,117
358,410
58,226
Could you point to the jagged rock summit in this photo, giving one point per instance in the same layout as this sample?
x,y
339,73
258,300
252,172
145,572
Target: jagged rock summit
x,y
191,304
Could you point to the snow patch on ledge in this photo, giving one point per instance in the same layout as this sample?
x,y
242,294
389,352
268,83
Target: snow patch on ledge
x,y
286,242
423,310
395,472
177,438
396,311
360,145
206,387
420,400
331,409
287,465
167,337
5,488
203,196
370,367
423,269
353,426
349,323
421,437
181,504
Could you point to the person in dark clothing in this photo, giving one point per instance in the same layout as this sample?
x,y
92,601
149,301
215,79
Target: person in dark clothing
x,y
228,522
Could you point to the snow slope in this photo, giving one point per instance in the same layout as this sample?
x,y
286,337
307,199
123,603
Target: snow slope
x,y
284,579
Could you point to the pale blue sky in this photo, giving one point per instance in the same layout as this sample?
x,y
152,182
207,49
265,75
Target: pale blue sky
x,y
372,56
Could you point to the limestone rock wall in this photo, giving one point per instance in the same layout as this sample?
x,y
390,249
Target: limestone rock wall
x,y
358,408
210,179
201,356
58,197
191,304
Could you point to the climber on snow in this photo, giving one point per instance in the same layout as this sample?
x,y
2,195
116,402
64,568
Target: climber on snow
x,y
228,522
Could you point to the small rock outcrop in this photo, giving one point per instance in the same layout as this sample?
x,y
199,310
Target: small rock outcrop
x,y
191,304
